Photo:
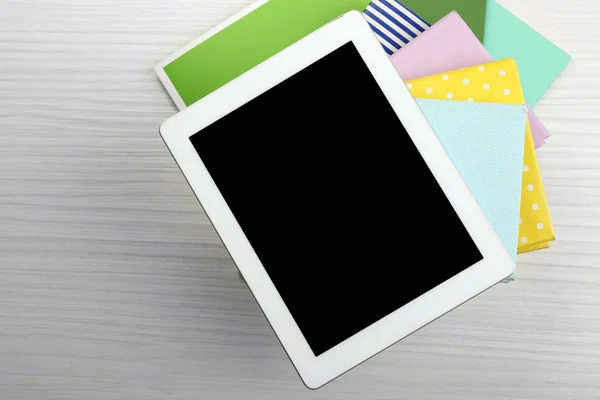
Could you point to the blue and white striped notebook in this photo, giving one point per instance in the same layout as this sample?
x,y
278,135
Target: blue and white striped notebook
x,y
394,24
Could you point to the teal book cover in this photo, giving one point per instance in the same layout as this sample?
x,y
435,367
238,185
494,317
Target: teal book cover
x,y
539,60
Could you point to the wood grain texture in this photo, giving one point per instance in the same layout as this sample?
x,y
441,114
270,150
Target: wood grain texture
x,y
113,284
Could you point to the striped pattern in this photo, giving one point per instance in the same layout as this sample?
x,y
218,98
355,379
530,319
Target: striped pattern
x,y
394,24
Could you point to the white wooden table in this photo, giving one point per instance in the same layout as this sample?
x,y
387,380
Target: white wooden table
x,y
113,284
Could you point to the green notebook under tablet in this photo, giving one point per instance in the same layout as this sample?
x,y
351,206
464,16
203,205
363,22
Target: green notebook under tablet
x,y
471,11
244,41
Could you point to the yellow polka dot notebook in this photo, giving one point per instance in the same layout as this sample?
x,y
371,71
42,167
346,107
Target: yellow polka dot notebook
x,y
499,82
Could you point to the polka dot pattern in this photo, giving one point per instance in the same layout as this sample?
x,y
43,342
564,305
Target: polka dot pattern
x,y
498,82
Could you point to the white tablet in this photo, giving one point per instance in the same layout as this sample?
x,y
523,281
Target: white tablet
x,y
335,199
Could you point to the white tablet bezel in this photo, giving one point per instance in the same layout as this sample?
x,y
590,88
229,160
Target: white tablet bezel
x,y
316,371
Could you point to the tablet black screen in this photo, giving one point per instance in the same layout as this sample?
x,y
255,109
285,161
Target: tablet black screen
x,y
335,199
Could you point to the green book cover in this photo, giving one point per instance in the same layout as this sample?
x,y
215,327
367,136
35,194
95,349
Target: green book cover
x,y
471,11
238,47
